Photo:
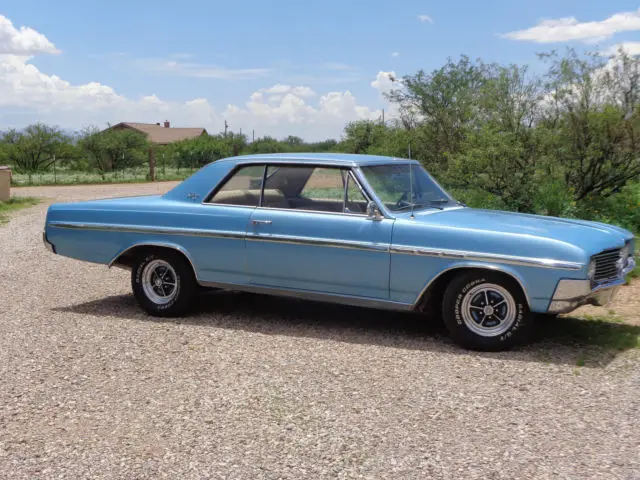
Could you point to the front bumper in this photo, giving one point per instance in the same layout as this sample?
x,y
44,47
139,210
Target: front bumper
x,y
571,294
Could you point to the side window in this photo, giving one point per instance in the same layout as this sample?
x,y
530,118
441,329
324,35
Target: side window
x,y
324,184
318,189
355,202
243,188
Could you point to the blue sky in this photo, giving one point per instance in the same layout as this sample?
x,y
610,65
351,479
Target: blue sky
x,y
200,62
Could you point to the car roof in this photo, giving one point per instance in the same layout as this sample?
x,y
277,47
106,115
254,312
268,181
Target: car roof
x,y
334,159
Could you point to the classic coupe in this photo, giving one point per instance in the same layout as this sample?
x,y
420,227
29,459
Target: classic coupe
x,y
355,229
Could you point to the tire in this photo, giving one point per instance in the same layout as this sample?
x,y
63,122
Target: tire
x,y
163,283
474,326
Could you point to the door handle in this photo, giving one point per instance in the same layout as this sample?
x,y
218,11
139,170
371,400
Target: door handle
x,y
263,222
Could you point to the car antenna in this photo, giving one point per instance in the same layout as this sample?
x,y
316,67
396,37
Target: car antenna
x,y
410,181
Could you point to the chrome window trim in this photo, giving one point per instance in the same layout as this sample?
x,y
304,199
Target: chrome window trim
x,y
486,257
312,211
350,170
353,170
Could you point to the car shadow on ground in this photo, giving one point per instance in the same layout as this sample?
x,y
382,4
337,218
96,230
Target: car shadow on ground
x,y
562,340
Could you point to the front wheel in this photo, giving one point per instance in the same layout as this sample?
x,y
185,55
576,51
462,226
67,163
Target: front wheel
x,y
487,311
163,283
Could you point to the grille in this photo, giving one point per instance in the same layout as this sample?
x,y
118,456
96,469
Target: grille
x,y
606,267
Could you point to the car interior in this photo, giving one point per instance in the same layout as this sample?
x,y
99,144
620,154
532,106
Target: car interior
x,y
295,187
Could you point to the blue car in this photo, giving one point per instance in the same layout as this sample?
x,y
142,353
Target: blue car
x,y
360,230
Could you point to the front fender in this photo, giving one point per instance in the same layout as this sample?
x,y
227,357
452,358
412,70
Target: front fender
x,y
412,275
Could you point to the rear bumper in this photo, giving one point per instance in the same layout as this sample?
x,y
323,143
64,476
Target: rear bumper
x,y
47,243
571,294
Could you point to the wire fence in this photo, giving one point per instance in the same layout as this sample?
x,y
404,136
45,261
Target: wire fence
x,y
57,175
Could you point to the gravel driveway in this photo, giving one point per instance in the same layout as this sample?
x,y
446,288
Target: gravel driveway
x,y
254,387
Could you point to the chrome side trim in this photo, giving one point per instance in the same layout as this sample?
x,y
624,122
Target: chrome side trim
x,y
313,296
191,232
319,242
469,267
290,239
486,257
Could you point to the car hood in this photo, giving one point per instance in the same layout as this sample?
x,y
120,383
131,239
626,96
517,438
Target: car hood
x,y
592,237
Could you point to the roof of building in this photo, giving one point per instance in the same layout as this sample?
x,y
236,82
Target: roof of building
x,y
162,135
337,159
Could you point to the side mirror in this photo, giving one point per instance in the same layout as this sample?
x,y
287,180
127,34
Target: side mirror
x,y
373,213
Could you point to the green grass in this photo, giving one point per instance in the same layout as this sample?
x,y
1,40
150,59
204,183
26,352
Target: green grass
x,y
603,331
15,203
74,177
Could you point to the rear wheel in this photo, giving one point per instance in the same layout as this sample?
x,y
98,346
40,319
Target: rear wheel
x,y
485,310
163,283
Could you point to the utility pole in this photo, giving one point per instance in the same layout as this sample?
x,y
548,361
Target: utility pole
x,y
383,116
226,126
253,136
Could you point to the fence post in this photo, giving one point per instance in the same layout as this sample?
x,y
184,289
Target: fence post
x,y
152,165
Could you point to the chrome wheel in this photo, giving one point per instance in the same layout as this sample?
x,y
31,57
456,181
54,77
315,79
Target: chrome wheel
x,y
159,282
488,310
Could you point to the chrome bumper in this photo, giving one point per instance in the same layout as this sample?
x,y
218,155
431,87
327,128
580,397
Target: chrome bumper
x,y
47,243
571,294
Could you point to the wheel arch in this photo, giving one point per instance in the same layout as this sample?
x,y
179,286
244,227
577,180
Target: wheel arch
x,y
439,283
127,256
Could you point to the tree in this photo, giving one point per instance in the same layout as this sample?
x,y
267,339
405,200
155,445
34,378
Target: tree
x,y
501,152
197,152
114,149
594,112
35,148
440,107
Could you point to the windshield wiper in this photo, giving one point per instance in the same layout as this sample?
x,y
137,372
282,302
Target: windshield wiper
x,y
417,205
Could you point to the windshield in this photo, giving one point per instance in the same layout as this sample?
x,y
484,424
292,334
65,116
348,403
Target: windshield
x,y
392,185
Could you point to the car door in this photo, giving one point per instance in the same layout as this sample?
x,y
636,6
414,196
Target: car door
x,y
312,233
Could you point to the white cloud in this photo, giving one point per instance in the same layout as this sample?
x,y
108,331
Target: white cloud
x,y
632,48
22,41
385,81
425,18
395,54
283,89
29,95
337,66
569,28
199,70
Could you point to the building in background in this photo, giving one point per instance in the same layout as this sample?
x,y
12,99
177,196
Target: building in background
x,y
162,134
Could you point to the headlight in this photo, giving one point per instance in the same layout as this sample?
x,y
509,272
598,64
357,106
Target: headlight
x,y
591,271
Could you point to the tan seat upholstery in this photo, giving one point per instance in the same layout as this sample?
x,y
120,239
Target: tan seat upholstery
x,y
272,198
